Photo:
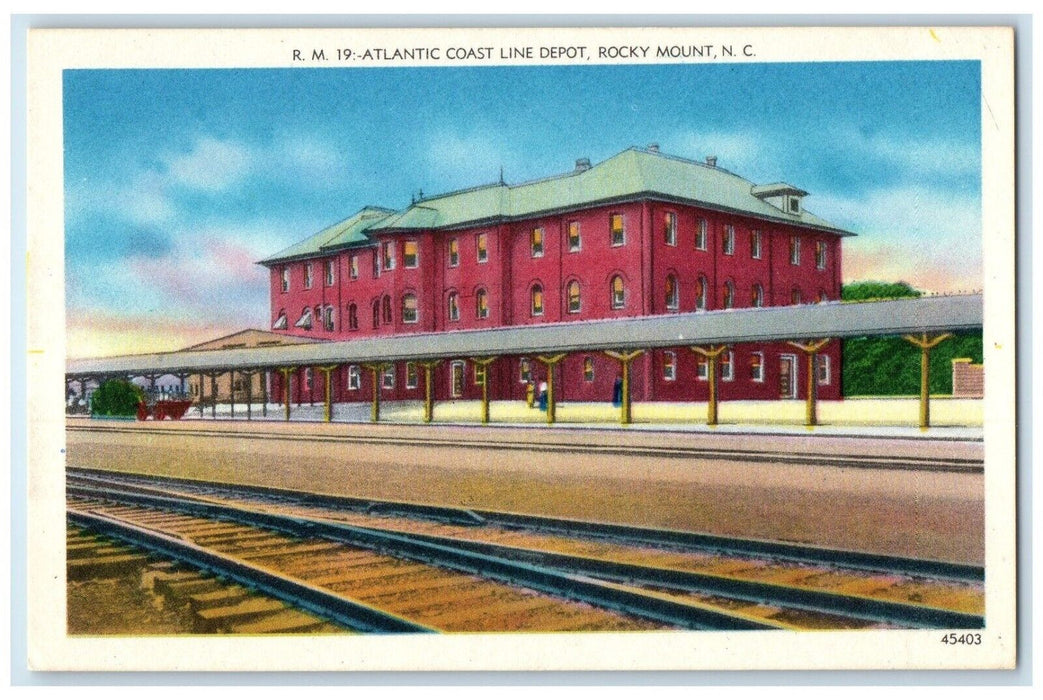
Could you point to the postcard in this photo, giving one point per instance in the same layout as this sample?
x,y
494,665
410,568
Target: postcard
x,y
521,349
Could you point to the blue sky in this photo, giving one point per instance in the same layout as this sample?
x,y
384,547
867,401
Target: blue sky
x,y
176,181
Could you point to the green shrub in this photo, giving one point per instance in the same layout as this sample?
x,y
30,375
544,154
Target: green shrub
x,y
116,397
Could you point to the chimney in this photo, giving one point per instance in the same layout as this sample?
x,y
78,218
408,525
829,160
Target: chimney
x,y
582,164
653,148
711,161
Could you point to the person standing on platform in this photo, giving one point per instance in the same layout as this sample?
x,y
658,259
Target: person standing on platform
x,y
543,396
617,391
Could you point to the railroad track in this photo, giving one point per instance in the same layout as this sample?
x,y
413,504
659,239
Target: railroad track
x,y
855,461
619,577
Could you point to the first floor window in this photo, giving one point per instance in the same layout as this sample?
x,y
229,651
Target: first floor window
x,y
822,296
453,305
728,299
757,298
537,300
353,317
387,309
573,296
354,378
669,365
479,374
412,376
618,293
702,370
588,368
727,367
327,318
376,313
308,378
388,381
524,370
672,295
700,294
757,366
794,296
481,302
823,369
409,311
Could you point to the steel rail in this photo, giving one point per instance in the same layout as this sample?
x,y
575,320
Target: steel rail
x,y
861,607
339,609
548,580
869,561
949,464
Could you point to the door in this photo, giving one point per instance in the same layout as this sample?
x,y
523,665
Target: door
x,y
788,377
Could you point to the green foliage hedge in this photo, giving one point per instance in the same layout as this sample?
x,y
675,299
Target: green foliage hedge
x,y
116,397
890,366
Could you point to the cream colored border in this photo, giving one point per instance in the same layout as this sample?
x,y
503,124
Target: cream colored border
x,y
51,51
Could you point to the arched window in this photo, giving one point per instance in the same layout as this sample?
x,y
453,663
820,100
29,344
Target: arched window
x,y
536,296
387,309
409,311
573,297
618,292
281,322
481,304
672,294
353,317
728,300
700,294
376,313
305,320
794,296
327,318
757,298
453,306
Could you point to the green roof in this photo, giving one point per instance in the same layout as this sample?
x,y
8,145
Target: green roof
x,y
343,234
634,172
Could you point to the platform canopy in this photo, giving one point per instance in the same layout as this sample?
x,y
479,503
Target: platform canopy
x,y
825,320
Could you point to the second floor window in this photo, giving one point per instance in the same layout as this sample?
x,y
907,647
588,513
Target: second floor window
x,y
454,252
700,294
410,254
389,255
618,233
307,276
795,296
387,309
820,255
574,239
757,297
728,240
353,317
409,310
700,234
572,291
794,250
353,267
670,228
327,318
330,277
672,295
481,303
536,242
285,279
755,245
482,244
728,296
453,307
618,292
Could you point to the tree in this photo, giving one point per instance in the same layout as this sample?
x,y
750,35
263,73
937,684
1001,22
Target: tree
x,y
890,366
116,397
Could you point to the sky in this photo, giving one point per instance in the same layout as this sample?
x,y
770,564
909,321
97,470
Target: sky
x,y
178,181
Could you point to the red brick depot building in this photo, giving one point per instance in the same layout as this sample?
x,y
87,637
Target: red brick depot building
x,y
640,234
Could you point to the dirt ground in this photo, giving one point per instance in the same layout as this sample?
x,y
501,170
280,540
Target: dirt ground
x,y
936,515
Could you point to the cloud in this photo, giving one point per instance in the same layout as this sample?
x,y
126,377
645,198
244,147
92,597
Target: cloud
x,y
911,158
455,160
210,165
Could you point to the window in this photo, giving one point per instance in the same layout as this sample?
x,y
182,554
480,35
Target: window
x,y
479,375
702,370
456,379
388,249
330,277
481,304
410,254
794,296
353,267
482,245
700,294
700,234
308,379
574,239
412,376
616,227
588,369
822,296
536,242
453,306
822,365
388,377
573,297
376,263
536,295
280,322
387,309
524,370
757,297
354,378
672,295
670,228
327,318
618,293
409,311
353,317
669,365
793,205
794,250
727,367
454,252
307,276
755,245
728,240
376,313
820,255
285,279
305,320
728,300
757,367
